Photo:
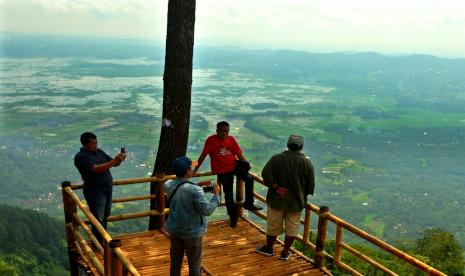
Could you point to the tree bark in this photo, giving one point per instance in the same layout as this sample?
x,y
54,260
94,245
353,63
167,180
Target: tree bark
x,y
177,85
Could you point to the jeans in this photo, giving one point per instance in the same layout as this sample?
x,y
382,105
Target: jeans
x,y
227,181
193,249
99,203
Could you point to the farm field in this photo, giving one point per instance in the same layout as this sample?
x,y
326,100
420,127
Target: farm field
x,y
386,134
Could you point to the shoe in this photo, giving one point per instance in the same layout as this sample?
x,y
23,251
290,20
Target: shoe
x,y
233,223
252,207
265,250
285,255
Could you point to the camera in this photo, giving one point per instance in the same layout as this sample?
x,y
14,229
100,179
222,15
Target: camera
x,y
209,187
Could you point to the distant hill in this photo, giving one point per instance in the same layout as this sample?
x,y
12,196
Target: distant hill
x,y
31,243
27,46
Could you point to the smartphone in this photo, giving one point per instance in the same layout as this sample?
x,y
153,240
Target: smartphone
x,y
123,150
208,189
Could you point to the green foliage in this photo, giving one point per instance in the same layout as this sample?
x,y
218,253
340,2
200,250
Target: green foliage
x,y
442,249
8,270
31,243
437,248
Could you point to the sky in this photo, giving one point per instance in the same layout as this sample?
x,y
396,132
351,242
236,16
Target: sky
x,y
384,26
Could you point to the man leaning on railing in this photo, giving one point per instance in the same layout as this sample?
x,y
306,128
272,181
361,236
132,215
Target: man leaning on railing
x,y
228,160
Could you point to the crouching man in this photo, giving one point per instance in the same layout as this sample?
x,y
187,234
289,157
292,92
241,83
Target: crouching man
x,y
186,221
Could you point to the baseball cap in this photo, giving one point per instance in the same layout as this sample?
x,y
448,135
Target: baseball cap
x,y
181,164
296,140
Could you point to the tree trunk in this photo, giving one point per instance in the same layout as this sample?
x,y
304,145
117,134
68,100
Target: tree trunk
x,y
177,84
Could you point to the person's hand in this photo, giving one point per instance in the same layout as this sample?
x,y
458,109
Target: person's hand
x,y
120,157
205,182
248,163
216,189
282,192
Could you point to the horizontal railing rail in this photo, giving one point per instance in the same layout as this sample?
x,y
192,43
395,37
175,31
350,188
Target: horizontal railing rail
x,y
324,214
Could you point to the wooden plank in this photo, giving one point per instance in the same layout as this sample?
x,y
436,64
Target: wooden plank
x,y
225,251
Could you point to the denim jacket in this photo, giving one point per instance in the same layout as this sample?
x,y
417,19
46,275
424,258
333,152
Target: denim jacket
x,y
188,208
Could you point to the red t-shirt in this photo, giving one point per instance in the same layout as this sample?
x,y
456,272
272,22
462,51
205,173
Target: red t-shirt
x,y
222,153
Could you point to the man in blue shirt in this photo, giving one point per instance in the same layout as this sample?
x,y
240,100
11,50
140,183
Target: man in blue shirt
x,y
186,221
94,166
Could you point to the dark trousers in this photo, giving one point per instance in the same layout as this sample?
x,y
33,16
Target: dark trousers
x,y
193,249
227,181
100,206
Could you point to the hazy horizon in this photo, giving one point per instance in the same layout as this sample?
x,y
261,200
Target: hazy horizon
x,y
156,43
387,27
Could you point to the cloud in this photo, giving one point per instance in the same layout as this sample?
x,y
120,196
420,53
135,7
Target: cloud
x,y
103,8
317,25
135,18
337,25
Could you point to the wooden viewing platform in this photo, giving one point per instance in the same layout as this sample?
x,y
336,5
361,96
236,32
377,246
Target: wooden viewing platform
x,y
226,251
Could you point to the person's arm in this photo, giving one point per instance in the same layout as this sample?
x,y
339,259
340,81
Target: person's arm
x,y
310,179
238,152
241,157
107,165
236,149
268,179
200,161
267,174
201,203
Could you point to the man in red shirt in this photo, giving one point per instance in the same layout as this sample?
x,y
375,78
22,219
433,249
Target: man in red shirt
x,y
224,153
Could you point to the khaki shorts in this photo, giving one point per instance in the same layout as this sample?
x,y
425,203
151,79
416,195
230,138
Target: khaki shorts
x,y
275,219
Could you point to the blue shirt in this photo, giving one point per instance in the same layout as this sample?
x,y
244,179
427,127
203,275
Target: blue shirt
x,y
84,160
188,208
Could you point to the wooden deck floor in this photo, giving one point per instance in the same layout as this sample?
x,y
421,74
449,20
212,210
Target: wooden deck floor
x,y
226,251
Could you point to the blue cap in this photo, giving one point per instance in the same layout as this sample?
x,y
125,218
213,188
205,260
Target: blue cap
x,y
181,165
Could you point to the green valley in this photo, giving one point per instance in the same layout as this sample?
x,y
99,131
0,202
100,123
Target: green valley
x,y
386,134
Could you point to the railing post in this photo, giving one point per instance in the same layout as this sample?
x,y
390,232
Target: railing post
x,y
116,265
239,196
69,207
158,221
107,252
321,237
337,250
307,225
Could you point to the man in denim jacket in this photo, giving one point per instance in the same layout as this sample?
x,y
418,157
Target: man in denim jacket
x,y
186,221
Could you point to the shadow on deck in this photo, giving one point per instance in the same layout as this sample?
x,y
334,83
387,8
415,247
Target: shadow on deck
x,y
226,251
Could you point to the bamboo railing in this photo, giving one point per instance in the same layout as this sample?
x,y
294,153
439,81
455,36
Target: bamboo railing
x,y
116,263
324,216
